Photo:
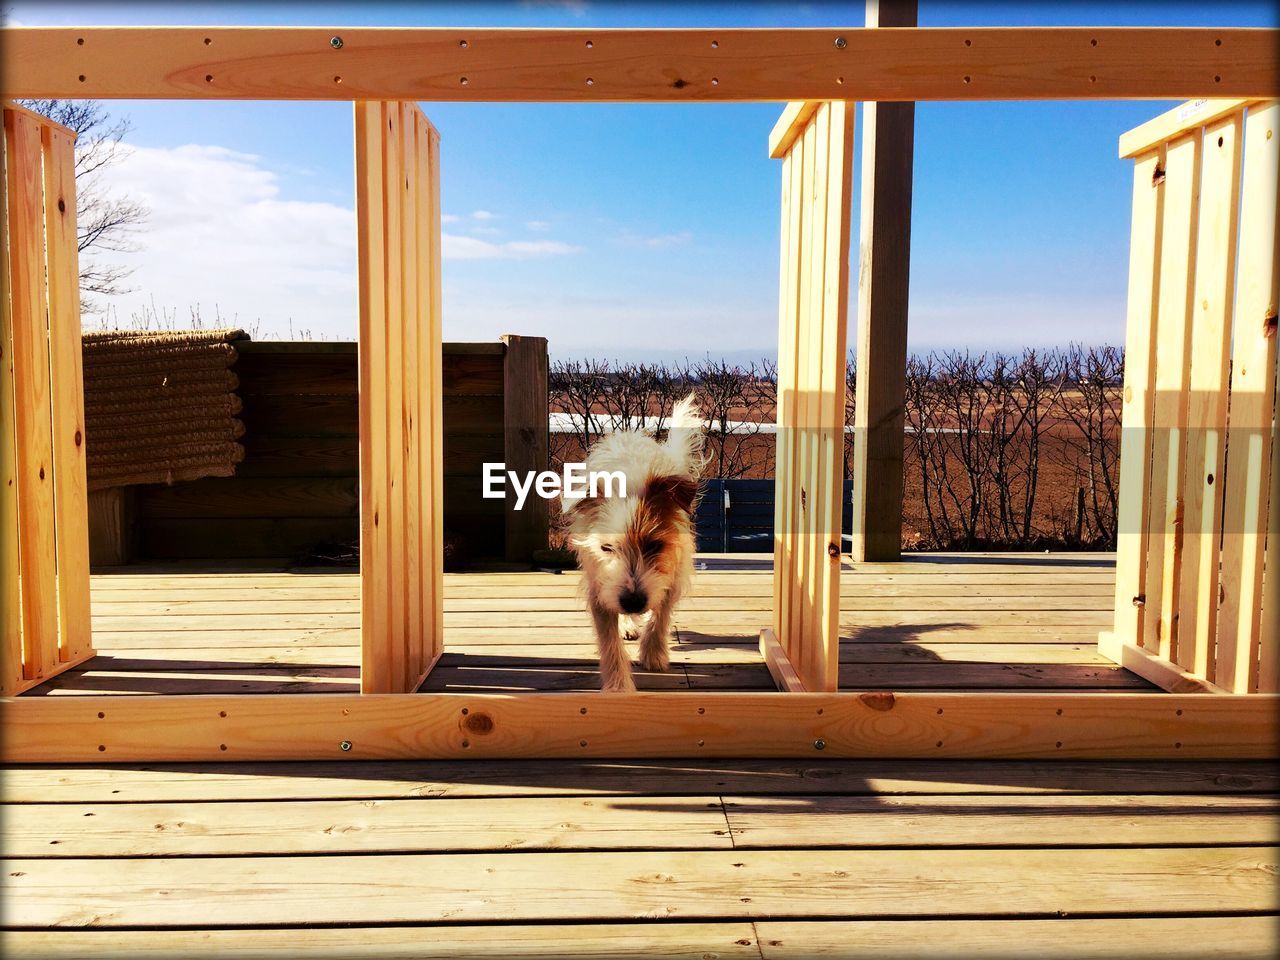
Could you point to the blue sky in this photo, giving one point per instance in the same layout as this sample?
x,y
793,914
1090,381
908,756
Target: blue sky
x,y
640,231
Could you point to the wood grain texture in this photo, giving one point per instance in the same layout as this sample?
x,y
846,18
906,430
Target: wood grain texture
x,y
1093,63
884,267
1210,373
11,672
28,295
712,724
1160,130
524,427
1250,480
268,891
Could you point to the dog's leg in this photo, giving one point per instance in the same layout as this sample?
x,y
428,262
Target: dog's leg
x,y
615,667
653,641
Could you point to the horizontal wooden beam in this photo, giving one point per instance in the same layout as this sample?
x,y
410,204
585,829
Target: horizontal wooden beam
x,y
1185,116
887,63
880,724
1163,673
779,664
795,117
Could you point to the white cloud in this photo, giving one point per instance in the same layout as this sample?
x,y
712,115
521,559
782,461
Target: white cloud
x,y
576,7
448,218
221,233
537,225
456,247
656,241
483,215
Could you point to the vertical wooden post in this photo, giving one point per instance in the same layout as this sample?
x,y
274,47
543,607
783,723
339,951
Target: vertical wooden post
x,y
397,214
525,440
888,143
815,143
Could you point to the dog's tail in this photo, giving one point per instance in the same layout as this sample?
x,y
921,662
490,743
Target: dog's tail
x,y
684,435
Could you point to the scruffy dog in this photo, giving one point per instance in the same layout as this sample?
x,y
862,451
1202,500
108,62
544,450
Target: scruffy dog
x,y
636,552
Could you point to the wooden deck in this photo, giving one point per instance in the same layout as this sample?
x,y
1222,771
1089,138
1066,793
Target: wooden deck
x,y
697,859
946,622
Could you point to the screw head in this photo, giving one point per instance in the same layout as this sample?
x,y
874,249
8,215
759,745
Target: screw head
x,y
345,746
841,43
819,744
335,42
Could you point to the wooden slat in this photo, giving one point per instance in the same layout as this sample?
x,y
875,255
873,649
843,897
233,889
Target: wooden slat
x,y
879,724
833,384
32,396
789,126
942,822
732,940
1209,361
733,65
811,776
436,422
779,665
1160,130
11,672
412,376
1169,405
396,826
396,520
71,526
265,891
1158,670
375,545
1250,480
1172,938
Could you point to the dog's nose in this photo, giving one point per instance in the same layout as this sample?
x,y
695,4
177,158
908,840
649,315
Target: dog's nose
x,y
632,601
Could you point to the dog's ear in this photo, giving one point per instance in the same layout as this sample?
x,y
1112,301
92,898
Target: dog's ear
x,y
673,491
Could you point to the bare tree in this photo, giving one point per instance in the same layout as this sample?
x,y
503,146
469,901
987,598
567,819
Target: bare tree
x,y
1091,402
106,223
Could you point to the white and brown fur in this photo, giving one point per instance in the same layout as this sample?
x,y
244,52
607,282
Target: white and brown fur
x,y
636,552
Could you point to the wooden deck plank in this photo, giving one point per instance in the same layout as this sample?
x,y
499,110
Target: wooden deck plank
x,y
164,783
355,826
1172,938
247,828
257,891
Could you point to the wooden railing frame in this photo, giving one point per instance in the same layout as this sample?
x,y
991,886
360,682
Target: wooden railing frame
x,y
824,65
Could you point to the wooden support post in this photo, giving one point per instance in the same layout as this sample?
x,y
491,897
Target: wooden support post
x,y
525,440
888,142
397,213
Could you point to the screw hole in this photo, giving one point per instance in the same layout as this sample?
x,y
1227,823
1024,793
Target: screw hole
x,y
1058,744
1179,713
702,709
82,78
939,711
208,78
1093,43
463,81
222,746
101,715
465,711
715,81
702,743
582,710
968,79
102,748
80,41
466,743
582,743
337,79
968,43
590,82
1217,79
820,711
590,44
939,743
715,44
222,713
208,41
1059,711
840,80
1217,43
1092,78
1210,479
1220,141
462,44
1178,745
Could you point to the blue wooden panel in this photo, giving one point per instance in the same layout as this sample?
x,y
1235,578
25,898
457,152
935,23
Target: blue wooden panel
x,y
747,526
